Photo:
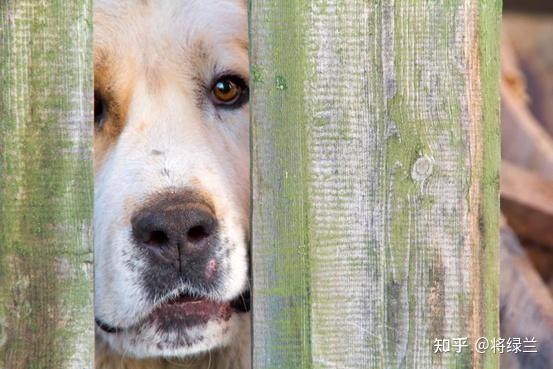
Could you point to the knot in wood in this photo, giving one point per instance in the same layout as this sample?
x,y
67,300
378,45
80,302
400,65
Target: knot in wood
x,y
422,168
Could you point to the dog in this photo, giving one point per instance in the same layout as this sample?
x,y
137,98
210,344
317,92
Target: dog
x,y
172,186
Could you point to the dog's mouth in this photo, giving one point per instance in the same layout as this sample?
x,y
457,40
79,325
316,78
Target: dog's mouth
x,y
188,311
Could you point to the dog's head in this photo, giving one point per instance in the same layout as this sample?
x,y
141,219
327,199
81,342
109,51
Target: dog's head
x,y
171,174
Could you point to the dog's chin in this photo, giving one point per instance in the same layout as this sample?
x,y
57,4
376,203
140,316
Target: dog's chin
x,y
180,327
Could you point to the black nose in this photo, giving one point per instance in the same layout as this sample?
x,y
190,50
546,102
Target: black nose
x,y
177,229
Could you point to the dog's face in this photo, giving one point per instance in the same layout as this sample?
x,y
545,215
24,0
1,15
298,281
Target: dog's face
x,y
171,174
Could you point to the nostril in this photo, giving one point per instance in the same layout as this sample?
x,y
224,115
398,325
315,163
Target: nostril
x,y
197,234
156,238
149,229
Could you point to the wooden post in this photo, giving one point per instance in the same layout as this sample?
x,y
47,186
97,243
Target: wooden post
x,y
375,156
46,318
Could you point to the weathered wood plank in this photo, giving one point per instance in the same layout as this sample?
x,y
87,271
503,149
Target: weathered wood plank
x,y
541,257
530,6
527,202
526,307
532,37
523,140
46,318
375,149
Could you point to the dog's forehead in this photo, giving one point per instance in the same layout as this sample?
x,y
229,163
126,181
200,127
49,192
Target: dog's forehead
x,y
168,27
162,46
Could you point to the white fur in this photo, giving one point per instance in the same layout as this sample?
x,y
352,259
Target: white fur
x,y
168,142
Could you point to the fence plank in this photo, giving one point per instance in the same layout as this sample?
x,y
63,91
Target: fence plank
x,y
375,154
46,318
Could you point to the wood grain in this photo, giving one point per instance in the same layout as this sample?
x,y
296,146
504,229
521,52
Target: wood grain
x,y
375,154
46,318
526,306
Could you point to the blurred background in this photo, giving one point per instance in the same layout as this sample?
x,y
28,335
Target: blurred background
x,y
527,180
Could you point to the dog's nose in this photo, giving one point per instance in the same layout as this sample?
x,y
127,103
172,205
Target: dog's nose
x,y
177,229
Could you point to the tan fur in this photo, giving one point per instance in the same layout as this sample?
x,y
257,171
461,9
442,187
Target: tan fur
x,y
115,87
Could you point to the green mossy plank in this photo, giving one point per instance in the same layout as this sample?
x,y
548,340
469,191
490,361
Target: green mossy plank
x,y
375,152
46,311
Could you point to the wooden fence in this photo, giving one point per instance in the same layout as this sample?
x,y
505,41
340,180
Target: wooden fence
x,y
375,152
375,182
45,185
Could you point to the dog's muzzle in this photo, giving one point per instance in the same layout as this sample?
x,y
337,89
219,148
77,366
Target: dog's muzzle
x,y
177,235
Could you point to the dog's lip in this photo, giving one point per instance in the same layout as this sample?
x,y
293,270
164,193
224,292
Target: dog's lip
x,y
189,310
184,298
242,303
107,327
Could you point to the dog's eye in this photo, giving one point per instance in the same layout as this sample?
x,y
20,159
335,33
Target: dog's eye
x,y
226,91
230,91
100,110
